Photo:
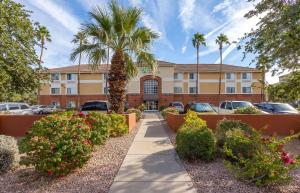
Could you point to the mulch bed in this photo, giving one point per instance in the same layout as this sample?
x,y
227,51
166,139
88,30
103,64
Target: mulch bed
x,y
96,176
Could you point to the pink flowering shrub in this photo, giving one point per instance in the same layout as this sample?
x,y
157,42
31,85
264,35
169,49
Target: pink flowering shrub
x,y
57,144
257,159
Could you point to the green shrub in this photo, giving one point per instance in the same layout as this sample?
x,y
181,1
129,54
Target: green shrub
x,y
142,107
161,108
118,125
9,153
99,124
226,125
169,110
264,164
137,112
57,144
194,140
247,110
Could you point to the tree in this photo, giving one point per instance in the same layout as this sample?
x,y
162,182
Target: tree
x,y
277,37
43,36
80,40
118,29
197,41
18,60
221,40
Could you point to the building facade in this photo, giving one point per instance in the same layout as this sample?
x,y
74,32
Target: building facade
x,y
171,82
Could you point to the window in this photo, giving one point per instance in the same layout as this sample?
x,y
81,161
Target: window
x,y
230,89
71,90
150,87
105,76
24,107
177,90
222,106
230,76
3,108
192,90
71,104
192,76
229,106
246,76
91,106
55,104
13,106
106,90
55,76
55,90
246,89
71,76
178,76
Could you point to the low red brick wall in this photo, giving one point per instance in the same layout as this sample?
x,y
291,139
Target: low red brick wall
x,y
269,124
18,125
131,121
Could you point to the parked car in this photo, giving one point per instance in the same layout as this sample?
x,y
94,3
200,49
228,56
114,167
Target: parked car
x,y
203,108
101,106
49,109
38,109
178,105
15,108
228,107
277,108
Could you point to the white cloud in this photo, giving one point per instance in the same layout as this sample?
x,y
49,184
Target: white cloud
x,y
183,49
59,13
90,4
186,13
222,6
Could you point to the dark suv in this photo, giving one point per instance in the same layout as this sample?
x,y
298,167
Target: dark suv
x,y
101,106
276,108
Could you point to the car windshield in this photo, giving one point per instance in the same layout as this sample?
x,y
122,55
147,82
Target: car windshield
x,y
177,104
283,107
236,105
202,107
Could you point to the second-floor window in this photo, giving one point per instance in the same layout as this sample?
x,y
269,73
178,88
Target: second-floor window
x,y
71,90
192,76
178,76
230,76
71,76
55,90
246,89
177,89
246,76
55,76
230,89
192,90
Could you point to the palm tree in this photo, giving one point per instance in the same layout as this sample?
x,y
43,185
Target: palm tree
x,y
221,40
80,40
118,29
43,36
197,41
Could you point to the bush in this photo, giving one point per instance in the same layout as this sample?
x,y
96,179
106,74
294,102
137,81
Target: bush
x,y
247,110
161,108
118,125
99,124
57,144
194,140
9,153
226,125
264,163
142,107
169,110
137,112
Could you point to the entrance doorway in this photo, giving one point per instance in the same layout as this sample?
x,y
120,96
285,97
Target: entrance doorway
x,y
151,105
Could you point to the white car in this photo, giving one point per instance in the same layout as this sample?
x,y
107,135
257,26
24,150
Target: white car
x,y
38,109
228,107
15,108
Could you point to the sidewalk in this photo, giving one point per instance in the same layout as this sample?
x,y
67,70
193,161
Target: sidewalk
x,y
151,164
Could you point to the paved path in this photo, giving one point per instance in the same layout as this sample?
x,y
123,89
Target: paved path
x,y
151,164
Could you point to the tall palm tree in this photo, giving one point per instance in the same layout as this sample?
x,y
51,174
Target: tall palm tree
x,y
221,40
118,29
43,36
197,41
80,40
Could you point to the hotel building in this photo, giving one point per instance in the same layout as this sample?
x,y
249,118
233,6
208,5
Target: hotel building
x,y
171,82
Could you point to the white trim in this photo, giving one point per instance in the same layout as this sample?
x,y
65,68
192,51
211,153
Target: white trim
x,y
92,81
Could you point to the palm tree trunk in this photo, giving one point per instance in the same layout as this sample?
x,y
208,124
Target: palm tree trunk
x,y
39,89
197,81
220,79
117,82
78,79
106,94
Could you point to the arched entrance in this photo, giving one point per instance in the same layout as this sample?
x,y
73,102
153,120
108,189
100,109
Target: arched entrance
x,y
151,89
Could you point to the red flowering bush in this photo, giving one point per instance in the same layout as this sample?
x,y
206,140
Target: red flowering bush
x,y
57,144
266,162
100,124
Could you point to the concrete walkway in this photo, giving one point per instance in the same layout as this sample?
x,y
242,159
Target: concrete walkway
x,y
151,164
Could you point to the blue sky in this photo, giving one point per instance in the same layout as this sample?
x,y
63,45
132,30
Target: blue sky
x,y
175,20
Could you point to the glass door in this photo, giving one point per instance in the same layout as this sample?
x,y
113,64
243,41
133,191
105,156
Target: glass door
x,y
151,105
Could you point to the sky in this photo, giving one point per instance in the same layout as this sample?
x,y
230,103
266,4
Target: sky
x,y
174,20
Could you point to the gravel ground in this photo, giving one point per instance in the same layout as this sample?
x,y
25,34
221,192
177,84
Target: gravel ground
x,y
214,177
96,176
